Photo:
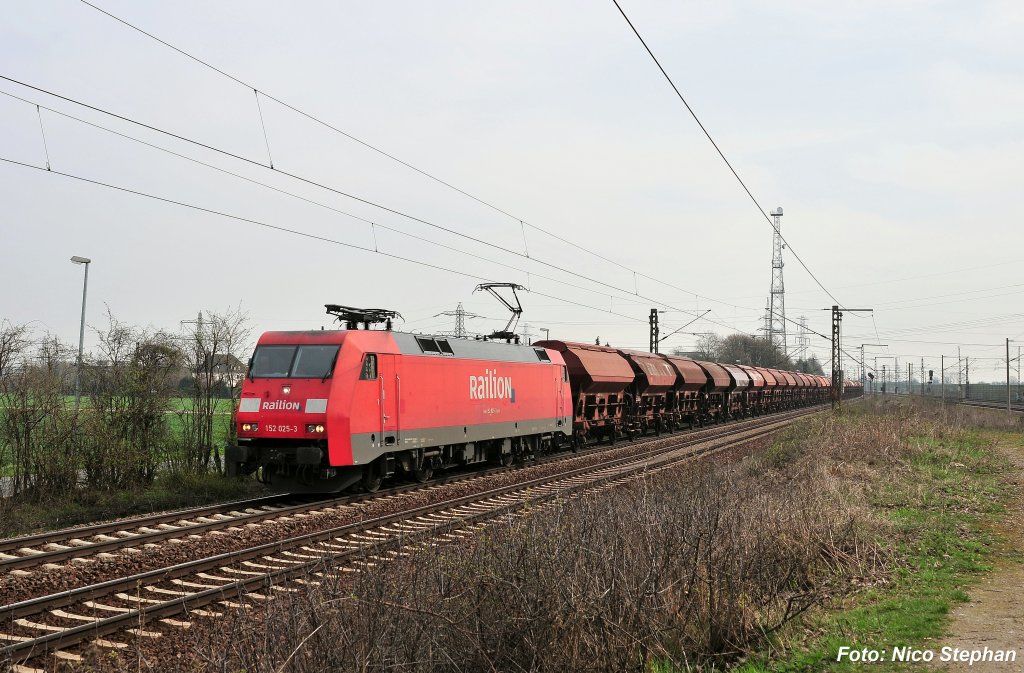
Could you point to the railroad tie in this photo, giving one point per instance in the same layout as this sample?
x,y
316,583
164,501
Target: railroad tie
x,y
342,547
144,633
261,566
274,559
204,613
10,637
18,668
179,593
109,608
53,546
40,627
137,599
195,585
67,615
30,551
235,571
301,556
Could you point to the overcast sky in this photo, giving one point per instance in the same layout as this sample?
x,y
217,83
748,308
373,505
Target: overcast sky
x,y
891,134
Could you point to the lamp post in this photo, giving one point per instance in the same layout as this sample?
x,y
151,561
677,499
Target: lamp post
x,y
81,332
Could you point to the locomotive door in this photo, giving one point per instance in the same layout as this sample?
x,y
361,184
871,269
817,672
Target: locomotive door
x,y
560,397
390,389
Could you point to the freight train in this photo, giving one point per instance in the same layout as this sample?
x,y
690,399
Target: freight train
x,y
329,410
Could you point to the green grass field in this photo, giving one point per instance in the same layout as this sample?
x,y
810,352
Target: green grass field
x,y
177,407
937,521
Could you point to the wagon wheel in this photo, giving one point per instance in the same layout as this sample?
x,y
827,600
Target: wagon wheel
x,y
506,459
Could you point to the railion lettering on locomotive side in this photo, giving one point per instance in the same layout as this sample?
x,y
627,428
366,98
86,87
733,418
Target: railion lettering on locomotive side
x,y
282,405
490,386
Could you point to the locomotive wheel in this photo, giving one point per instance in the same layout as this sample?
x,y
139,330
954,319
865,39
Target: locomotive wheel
x,y
371,479
506,459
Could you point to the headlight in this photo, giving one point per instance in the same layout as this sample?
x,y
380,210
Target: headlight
x,y
315,428
250,427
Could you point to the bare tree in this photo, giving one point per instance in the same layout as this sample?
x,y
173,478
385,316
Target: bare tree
x,y
750,350
126,432
214,348
810,366
36,427
709,346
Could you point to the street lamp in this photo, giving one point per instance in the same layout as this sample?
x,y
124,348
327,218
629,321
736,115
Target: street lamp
x,y
81,333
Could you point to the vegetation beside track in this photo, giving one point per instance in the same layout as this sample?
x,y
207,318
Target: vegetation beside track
x,y
135,444
860,528
168,491
930,485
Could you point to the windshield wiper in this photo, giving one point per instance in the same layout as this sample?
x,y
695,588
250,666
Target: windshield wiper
x,y
331,369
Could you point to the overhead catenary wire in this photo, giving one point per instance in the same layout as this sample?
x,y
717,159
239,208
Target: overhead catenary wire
x,y
317,237
721,153
373,225
315,183
319,120
298,232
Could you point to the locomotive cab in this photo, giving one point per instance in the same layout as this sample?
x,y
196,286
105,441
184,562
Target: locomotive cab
x,y
282,421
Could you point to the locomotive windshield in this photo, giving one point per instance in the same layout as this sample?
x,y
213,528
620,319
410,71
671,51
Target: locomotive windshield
x,y
297,362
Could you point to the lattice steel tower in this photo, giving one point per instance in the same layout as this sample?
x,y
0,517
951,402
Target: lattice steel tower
x,y
777,310
803,342
460,314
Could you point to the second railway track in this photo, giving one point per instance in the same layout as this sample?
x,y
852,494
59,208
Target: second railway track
x,y
47,626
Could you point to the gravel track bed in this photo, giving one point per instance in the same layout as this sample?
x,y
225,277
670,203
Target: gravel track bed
x,y
181,649
15,587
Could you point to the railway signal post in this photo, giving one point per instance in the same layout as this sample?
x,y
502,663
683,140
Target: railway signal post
x,y
837,352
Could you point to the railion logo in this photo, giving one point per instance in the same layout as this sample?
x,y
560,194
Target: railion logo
x,y
282,405
491,387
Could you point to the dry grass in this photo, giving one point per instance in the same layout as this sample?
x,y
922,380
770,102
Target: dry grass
x,y
692,568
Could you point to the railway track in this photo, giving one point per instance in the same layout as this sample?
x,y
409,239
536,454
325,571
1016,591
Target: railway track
x,y
46,550
1017,408
38,629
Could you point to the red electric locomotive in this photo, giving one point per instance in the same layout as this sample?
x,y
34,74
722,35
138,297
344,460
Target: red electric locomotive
x,y
325,410
322,411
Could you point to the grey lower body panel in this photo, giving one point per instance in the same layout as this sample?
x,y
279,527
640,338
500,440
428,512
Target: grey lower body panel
x,y
369,446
